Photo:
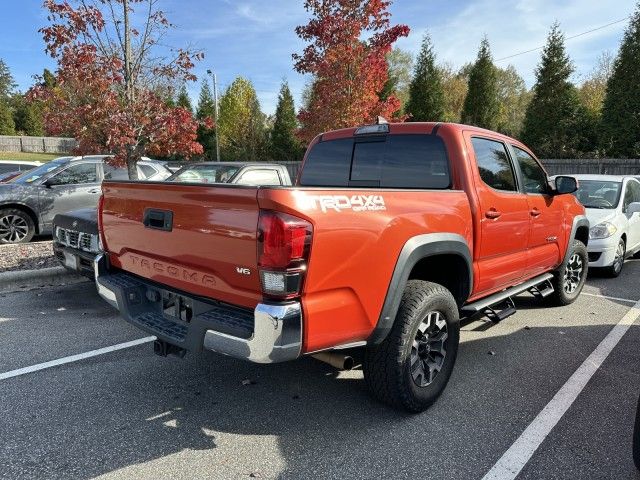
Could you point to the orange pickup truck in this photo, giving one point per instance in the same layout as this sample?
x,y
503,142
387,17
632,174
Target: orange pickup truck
x,y
391,234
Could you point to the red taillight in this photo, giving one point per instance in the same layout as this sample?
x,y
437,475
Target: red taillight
x,y
284,243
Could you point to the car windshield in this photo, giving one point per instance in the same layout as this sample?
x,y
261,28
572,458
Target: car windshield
x,y
204,174
603,194
33,175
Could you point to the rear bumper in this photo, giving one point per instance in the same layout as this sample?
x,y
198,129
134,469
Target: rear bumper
x,y
270,333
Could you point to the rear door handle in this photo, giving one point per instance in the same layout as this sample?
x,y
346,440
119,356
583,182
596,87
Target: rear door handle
x,y
535,212
94,190
492,213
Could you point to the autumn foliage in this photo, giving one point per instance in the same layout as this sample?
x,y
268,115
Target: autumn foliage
x,y
96,100
348,71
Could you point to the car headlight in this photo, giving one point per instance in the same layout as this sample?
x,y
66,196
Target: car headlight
x,y
602,230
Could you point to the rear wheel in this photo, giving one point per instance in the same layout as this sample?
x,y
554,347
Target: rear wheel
x,y
615,268
569,278
16,226
411,367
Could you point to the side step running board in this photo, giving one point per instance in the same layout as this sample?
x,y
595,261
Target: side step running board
x,y
500,311
542,290
501,297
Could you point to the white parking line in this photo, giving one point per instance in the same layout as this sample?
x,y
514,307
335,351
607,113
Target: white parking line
x,y
513,461
618,299
74,358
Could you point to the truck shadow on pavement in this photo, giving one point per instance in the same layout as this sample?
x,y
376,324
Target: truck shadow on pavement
x,y
137,415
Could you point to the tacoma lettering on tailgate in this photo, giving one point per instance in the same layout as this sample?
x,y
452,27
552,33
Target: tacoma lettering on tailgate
x,y
185,274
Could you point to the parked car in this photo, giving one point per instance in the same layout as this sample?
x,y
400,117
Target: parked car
x,y
75,240
613,209
8,176
7,166
243,173
391,233
30,201
75,233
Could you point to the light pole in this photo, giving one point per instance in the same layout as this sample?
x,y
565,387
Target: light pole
x,y
215,99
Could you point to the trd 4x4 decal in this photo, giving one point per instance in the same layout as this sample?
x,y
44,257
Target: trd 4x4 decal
x,y
338,203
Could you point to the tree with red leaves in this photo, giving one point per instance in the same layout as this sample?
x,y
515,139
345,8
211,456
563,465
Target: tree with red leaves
x,y
349,71
113,79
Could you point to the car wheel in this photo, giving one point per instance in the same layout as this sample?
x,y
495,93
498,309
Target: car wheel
x,y
569,278
412,366
16,226
616,267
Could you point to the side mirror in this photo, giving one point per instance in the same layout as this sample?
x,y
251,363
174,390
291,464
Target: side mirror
x,y
47,183
565,185
633,207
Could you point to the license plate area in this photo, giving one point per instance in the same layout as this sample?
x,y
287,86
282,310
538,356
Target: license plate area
x,y
70,261
177,307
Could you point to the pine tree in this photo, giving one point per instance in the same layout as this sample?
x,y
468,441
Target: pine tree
x,y
7,83
555,122
621,111
284,145
27,116
7,126
183,99
206,109
481,105
426,94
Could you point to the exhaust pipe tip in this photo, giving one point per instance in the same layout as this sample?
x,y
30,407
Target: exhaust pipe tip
x,y
336,360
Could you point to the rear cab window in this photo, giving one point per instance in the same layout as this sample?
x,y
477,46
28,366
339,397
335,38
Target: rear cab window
x,y
413,161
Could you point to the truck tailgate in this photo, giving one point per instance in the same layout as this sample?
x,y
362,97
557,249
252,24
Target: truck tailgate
x,y
199,239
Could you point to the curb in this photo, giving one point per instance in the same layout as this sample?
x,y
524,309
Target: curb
x,y
28,279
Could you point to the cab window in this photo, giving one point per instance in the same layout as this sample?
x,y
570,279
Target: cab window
x,y
533,176
494,164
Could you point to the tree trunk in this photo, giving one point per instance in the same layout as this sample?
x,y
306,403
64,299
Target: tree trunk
x,y
131,168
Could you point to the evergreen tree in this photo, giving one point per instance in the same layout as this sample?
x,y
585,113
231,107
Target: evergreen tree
x,y
481,105
27,116
7,83
621,110
183,99
426,93
206,109
48,79
7,126
284,145
555,122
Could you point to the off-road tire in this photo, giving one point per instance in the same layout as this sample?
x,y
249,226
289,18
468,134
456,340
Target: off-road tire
x,y
387,366
614,270
560,296
23,226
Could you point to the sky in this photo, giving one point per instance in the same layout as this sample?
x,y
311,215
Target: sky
x,y
255,38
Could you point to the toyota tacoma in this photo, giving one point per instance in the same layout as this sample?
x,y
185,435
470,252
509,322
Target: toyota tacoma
x,y
391,234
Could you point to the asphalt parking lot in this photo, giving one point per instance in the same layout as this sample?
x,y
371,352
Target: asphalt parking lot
x,y
131,414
